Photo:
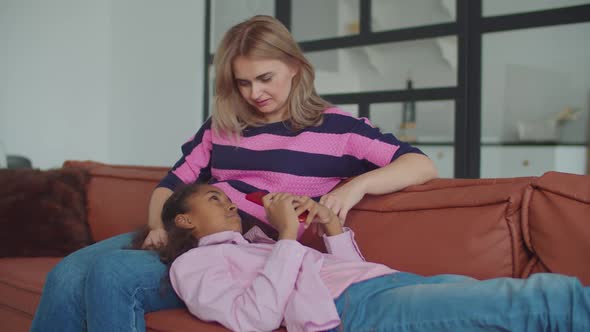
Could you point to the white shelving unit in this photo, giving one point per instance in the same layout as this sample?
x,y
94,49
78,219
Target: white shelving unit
x,y
530,160
514,161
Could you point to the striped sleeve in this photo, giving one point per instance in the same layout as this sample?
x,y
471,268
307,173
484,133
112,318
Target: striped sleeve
x,y
377,149
195,163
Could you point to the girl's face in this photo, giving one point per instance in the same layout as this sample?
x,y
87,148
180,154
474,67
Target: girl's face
x,y
210,211
264,84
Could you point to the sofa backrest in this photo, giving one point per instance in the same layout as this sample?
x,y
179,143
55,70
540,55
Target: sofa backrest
x,y
459,226
483,228
118,196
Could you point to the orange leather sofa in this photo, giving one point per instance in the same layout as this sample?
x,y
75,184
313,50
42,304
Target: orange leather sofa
x,y
483,228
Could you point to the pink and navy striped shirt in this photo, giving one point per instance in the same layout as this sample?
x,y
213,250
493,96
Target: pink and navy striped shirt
x,y
275,158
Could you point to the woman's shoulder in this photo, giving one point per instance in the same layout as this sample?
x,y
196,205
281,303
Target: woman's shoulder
x,y
337,120
338,114
334,110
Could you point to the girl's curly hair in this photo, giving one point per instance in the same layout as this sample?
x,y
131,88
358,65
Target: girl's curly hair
x,y
180,240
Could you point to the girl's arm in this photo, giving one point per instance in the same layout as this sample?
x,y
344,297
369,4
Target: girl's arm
x,y
202,278
339,241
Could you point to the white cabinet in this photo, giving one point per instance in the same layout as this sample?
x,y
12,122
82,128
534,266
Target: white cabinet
x,y
500,161
531,160
443,157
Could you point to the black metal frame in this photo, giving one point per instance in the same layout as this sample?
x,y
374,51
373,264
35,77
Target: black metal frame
x,y
469,29
468,123
207,59
283,12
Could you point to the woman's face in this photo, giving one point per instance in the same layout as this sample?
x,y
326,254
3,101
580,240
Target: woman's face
x,y
264,84
210,211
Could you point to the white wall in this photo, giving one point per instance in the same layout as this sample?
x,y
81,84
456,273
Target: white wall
x,y
54,74
111,81
227,13
156,88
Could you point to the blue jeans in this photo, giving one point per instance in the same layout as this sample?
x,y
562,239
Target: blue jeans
x,y
408,302
104,287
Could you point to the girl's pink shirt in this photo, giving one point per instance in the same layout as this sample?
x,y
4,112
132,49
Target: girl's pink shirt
x,y
262,284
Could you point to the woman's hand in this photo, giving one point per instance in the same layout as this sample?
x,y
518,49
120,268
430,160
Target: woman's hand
x,y
280,212
318,214
156,238
341,200
407,170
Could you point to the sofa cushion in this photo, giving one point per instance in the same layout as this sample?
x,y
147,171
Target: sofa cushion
x,y
534,266
14,320
556,224
118,196
180,320
469,227
42,213
21,282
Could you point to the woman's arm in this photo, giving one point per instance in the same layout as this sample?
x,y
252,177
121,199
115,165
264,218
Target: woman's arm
x,y
409,169
191,167
157,235
159,197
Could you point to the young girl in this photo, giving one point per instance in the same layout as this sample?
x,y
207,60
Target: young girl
x,y
269,131
251,283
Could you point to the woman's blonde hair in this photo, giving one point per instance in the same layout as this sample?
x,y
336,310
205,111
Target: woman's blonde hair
x,y
266,38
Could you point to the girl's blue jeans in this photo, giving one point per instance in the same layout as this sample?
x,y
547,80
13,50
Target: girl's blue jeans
x,y
104,287
408,302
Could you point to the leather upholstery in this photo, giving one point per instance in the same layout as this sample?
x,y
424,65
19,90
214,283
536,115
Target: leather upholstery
x,y
483,228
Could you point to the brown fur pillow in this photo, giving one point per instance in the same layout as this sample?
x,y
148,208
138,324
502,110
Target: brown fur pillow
x,y
42,213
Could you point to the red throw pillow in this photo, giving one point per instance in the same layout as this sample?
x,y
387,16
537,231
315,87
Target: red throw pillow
x,y
43,213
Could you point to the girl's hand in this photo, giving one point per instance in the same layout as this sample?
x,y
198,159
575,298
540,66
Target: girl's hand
x,y
341,200
281,214
156,238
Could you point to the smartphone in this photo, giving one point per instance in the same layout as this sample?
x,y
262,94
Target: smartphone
x,y
256,197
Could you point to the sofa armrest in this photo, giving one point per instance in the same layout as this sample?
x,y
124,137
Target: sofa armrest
x,y
556,224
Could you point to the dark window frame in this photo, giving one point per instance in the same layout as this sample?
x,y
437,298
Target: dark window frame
x,y
469,27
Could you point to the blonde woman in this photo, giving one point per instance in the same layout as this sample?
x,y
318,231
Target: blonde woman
x,y
269,131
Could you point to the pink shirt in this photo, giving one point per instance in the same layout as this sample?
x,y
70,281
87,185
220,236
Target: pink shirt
x,y
261,285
